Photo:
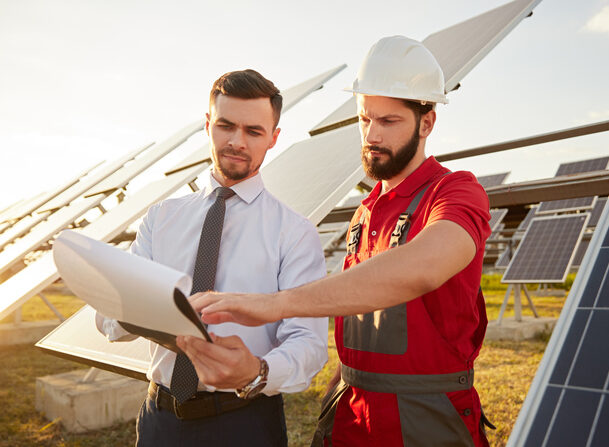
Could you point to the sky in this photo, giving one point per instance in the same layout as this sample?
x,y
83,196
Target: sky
x,y
85,81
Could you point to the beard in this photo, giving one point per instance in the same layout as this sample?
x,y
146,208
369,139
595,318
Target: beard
x,y
230,172
378,170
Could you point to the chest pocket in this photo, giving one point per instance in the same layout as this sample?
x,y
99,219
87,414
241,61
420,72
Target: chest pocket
x,y
383,331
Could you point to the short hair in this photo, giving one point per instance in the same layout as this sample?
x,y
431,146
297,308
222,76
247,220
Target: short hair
x,y
247,84
418,108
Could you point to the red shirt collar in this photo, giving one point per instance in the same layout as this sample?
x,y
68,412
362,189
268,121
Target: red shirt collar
x,y
429,169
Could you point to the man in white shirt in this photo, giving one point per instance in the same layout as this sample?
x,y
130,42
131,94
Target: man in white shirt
x,y
265,247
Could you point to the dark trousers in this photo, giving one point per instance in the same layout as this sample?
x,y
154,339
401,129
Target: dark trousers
x,y
261,423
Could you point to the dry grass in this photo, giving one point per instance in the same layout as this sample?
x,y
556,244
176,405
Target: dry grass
x,y
504,372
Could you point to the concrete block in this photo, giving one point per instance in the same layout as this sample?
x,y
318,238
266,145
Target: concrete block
x,y
26,332
510,329
108,399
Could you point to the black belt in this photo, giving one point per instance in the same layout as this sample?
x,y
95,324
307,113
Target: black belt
x,y
202,405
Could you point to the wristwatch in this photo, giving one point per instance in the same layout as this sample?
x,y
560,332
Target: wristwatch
x,y
254,388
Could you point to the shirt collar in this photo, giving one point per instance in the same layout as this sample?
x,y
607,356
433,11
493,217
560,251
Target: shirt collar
x,y
429,169
247,190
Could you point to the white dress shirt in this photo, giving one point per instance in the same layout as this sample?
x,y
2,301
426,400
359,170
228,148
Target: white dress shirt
x,y
265,247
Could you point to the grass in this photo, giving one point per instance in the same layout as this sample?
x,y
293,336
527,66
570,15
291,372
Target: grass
x,y
504,372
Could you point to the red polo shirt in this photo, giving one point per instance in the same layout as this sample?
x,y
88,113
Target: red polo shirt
x,y
452,307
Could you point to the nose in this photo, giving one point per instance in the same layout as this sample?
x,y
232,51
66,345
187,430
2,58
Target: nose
x,y
372,134
237,139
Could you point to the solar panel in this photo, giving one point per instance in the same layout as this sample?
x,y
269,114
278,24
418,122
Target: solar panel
x,y
21,227
558,206
120,178
322,170
91,180
497,216
84,184
546,250
291,97
568,401
577,167
458,49
504,258
31,205
579,254
596,212
524,224
130,359
492,180
39,274
14,253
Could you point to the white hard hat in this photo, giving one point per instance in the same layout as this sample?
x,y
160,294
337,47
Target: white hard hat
x,y
400,67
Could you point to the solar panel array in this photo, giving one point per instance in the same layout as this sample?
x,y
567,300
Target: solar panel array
x,y
568,402
492,180
546,250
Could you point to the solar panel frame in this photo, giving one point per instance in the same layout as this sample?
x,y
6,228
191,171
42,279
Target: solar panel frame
x,y
561,236
569,396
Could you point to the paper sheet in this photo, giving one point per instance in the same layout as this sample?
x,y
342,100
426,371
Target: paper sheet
x,y
124,286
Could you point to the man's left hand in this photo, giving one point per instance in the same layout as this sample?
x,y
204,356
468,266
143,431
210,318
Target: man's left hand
x,y
225,364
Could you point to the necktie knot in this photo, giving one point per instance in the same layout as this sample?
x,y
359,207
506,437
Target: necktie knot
x,y
223,192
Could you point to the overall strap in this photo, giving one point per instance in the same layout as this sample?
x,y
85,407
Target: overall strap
x,y
398,237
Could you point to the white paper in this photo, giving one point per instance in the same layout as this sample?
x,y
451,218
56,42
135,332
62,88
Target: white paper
x,y
121,285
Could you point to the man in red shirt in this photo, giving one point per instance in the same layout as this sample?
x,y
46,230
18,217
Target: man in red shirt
x,y
410,317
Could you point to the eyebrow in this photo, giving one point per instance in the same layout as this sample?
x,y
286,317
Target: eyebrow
x,y
391,115
247,126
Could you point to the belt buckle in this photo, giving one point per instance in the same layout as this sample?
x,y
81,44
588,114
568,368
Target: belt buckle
x,y
176,409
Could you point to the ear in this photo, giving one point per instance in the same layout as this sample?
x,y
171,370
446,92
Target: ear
x,y
427,122
275,135
207,118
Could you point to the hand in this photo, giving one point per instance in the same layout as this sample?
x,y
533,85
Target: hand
x,y
226,363
245,309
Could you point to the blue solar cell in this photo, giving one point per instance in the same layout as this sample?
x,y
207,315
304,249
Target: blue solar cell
x,y
565,359
574,431
543,417
594,350
596,278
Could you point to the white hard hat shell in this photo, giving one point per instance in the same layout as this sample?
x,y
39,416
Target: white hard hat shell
x,y
399,67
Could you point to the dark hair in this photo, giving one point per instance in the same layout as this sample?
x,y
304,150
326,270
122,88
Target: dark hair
x,y
418,108
247,84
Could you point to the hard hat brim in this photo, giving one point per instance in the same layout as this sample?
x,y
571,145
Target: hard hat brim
x,y
421,98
